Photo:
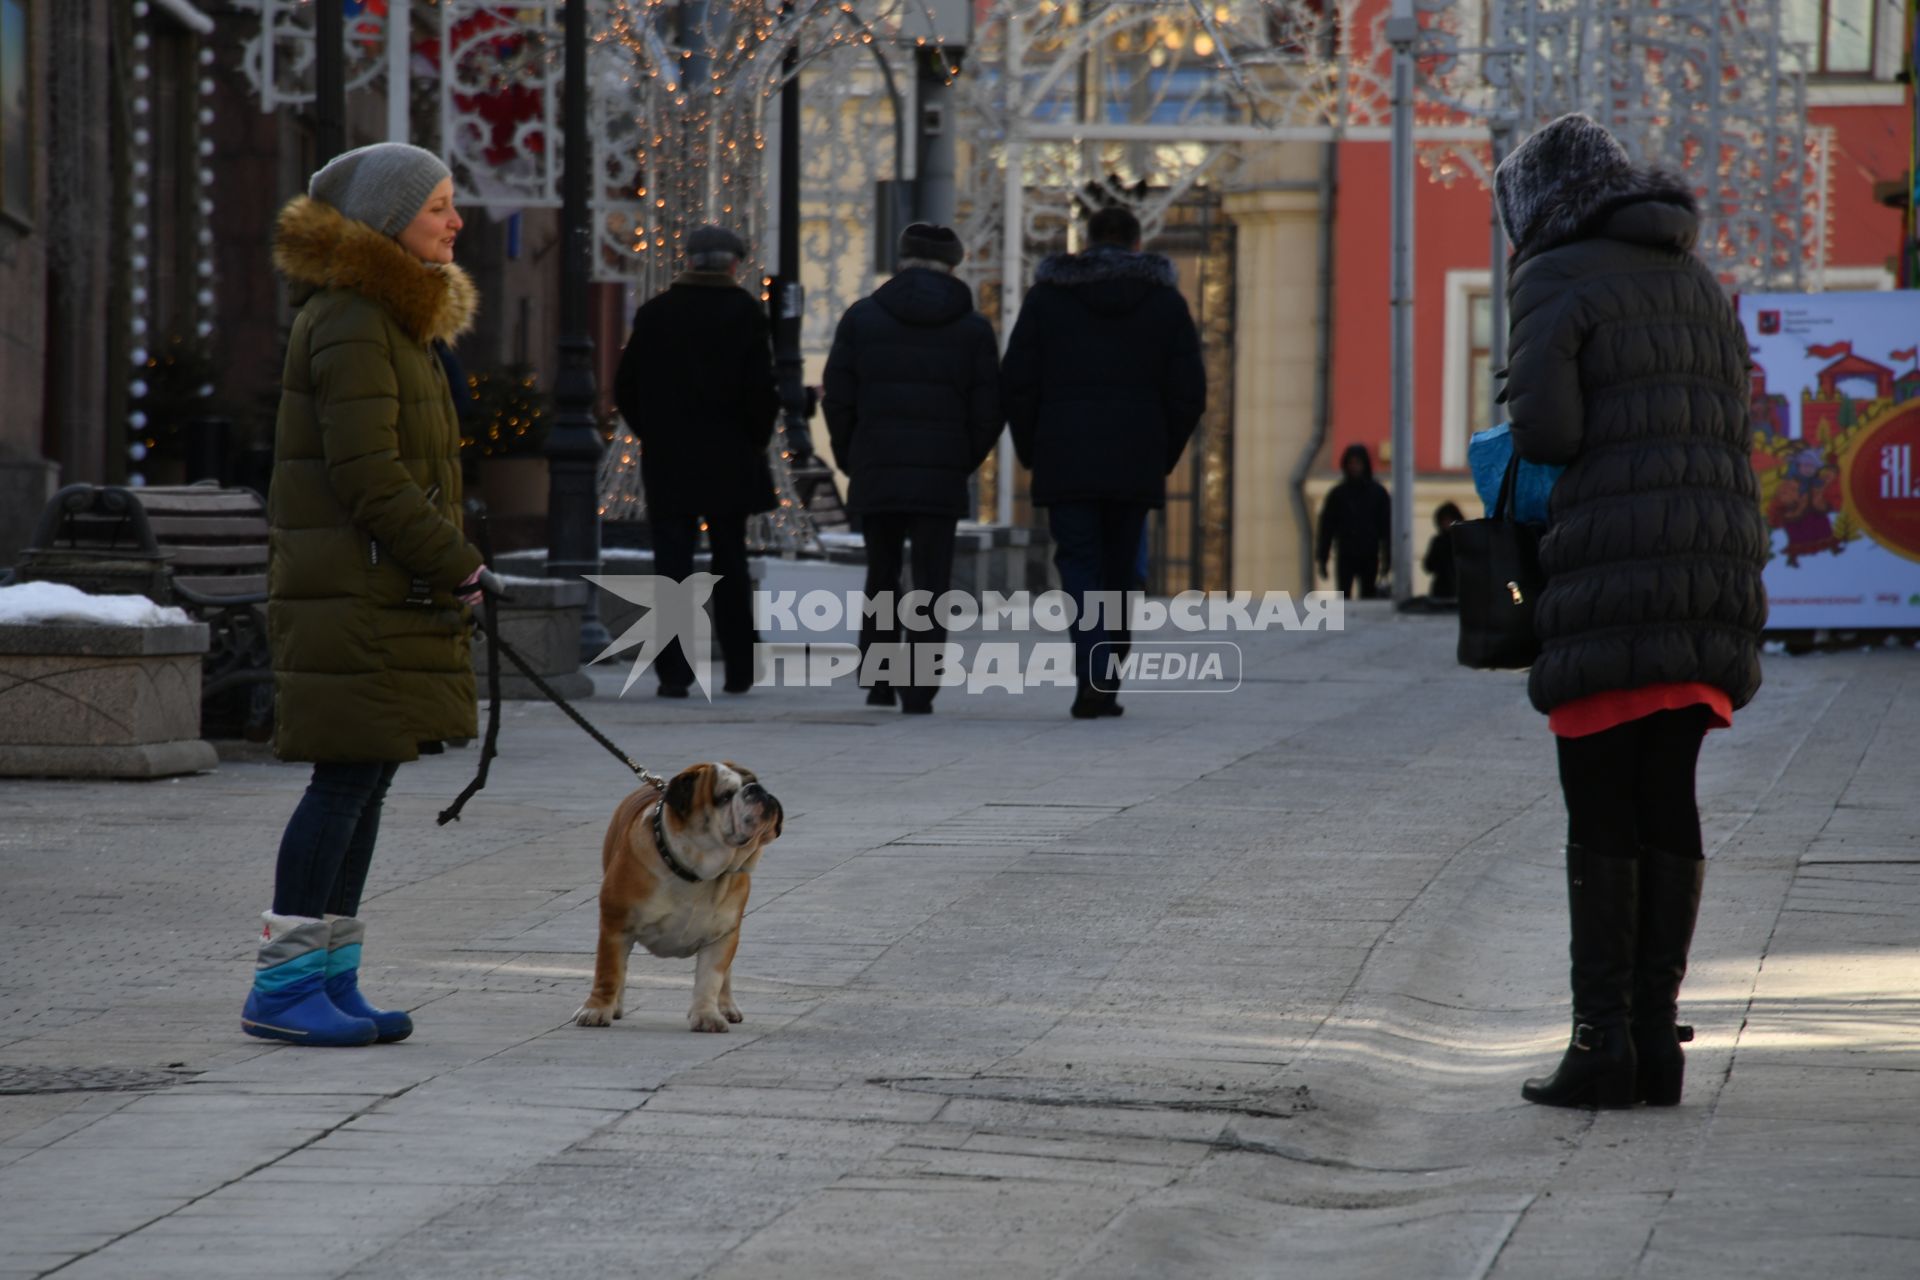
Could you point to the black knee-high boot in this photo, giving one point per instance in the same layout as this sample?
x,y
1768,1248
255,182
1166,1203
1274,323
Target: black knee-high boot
x,y
1669,905
1598,1069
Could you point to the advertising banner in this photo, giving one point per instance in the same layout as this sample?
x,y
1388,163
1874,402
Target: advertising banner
x,y
1836,426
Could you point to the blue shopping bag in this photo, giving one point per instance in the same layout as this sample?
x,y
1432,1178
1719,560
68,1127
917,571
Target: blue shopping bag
x,y
1487,456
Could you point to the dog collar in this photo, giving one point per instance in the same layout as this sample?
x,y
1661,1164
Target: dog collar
x,y
674,864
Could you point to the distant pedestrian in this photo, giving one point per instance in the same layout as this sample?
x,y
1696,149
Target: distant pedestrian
x,y
1104,386
912,398
369,567
1438,562
1356,527
1630,367
696,387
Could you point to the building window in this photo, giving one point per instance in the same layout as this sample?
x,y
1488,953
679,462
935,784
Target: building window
x,y
1838,34
1479,362
16,114
1466,362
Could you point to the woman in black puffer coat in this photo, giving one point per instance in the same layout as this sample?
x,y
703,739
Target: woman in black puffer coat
x,y
1629,366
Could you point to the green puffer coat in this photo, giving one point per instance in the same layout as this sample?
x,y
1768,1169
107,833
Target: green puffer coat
x,y
370,653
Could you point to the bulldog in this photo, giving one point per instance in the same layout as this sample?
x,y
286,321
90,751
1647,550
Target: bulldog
x,y
677,867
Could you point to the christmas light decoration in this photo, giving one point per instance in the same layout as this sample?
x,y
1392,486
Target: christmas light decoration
x,y
1164,98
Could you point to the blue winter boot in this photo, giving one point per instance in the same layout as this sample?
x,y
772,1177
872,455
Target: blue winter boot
x,y
343,982
289,998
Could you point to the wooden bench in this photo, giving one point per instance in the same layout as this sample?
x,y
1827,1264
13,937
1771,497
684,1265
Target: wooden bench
x,y
198,546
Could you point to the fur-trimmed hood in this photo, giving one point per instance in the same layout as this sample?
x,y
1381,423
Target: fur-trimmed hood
x,y
1103,262
1572,181
1106,278
317,247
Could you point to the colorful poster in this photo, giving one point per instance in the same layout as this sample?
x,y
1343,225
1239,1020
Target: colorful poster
x,y
1836,427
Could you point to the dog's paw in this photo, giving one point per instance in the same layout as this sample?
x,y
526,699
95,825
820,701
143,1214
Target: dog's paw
x,y
589,1016
706,1020
619,1012
732,1012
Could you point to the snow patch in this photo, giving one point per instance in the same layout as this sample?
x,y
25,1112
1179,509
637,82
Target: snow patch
x,y
43,602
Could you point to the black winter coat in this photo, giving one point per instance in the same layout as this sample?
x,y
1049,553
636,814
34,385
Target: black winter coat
x,y
696,388
1357,517
912,395
1628,365
1103,381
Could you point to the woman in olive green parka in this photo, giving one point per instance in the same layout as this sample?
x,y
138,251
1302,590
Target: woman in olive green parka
x,y
369,573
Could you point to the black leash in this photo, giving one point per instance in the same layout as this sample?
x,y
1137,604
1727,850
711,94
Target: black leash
x,y
490,746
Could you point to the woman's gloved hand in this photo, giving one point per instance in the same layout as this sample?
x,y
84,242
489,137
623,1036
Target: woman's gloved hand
x,y
482,581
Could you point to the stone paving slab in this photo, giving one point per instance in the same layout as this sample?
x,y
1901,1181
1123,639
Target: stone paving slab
x,y
1231,986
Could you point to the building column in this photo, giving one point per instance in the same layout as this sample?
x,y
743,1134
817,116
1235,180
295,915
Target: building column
x,y
1276,252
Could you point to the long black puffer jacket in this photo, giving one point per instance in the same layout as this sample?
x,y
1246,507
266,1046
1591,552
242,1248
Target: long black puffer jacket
x,y
912,395
1629,365
1103,379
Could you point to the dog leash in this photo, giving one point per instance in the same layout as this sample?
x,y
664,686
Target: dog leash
x,y
489,625
489,747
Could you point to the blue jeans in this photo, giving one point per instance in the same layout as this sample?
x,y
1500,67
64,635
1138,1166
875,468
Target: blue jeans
x,y
1095,546
328,845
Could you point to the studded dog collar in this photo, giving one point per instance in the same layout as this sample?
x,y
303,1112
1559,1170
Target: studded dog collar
x,y
674,864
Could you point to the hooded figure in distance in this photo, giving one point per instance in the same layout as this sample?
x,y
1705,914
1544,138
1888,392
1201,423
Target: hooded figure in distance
x,y
912,400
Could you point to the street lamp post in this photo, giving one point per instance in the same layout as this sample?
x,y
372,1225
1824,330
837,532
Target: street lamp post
x,y
329,81
785,298
573,445
1402,30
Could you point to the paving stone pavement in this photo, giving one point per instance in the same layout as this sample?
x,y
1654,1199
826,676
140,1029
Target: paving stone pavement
x,y
1234,986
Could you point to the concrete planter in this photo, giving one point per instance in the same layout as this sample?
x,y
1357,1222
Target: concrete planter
x,y
541,620
89,701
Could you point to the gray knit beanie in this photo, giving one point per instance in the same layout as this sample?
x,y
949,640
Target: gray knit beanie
x,y
383,185
1572,152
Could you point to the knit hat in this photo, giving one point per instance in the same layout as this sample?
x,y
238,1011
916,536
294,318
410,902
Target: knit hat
x,y
932,242
384,185
714,238
1573,152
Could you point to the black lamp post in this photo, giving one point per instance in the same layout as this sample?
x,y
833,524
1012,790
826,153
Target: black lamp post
x,y
785,298
329,81
573,444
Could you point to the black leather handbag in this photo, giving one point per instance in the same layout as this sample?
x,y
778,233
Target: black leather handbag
x,y
1497,564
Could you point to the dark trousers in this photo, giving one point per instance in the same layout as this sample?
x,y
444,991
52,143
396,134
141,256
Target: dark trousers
x,y
887,533
674,539
328,844
1096,546
1364,570
1632,786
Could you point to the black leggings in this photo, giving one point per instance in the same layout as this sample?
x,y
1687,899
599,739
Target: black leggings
x,y
329,841
1632,786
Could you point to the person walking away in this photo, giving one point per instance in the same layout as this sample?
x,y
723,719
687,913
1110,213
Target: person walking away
x,y
912,398
1438,562
1356,526
1630,368
368,567
1104,386
696,387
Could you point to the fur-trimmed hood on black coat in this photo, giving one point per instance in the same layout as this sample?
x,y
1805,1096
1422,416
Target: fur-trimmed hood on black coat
x,y
912,395
1628,365
1103,381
